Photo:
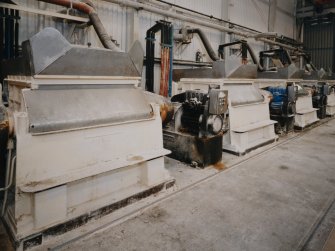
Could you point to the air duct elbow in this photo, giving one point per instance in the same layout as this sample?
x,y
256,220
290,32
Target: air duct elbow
x,y
88,7
101,32
205,42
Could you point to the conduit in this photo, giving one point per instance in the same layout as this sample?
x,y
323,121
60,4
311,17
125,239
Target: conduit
x,y
205,42
166,31
93,16
167,13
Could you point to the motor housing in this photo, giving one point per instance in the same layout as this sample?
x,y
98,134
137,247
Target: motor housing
x,y
320,93
201,114
283,106
195,134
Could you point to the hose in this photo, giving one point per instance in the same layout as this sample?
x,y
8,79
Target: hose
x,y
254,58
86,7
205,42
10,181
249,49
9,157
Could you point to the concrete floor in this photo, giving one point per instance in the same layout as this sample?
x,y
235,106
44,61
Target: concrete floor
x,y
330,244
274,201
278,197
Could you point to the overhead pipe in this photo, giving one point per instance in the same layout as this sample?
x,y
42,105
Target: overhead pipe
x,y
86,7
205,42
209,16
170,14
266,35
165,13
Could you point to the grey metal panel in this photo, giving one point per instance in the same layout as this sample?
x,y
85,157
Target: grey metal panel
x,y
83,61
282,73
243,94
136,53
220,69
49,53
192,73
244,71
55,110
46,47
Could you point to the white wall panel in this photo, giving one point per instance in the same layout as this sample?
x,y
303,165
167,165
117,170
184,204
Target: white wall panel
x,y
285,20
209,7
250,13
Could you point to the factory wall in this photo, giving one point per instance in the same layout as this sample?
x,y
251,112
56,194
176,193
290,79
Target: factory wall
x,y
119,22
321,47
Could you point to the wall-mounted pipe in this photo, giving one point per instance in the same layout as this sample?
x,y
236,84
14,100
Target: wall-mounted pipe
x,y
9,183
167,13
205,42
171,61
94,19
208,16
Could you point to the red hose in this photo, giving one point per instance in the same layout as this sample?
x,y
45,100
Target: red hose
x,y
83,7
165,67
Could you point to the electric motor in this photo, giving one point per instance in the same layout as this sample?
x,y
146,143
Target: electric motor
x,y
201,113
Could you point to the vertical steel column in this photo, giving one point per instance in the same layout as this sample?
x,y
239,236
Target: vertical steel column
x,y
11,33
150,55
333,49
16,34
7,35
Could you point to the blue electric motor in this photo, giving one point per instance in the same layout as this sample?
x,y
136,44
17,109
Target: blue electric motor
x,y
282,107
279,94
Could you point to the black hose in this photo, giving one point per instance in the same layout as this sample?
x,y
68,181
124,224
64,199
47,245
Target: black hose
x,y
253,56
247,46
4,132
205,42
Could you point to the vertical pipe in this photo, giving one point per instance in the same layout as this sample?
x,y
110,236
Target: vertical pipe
x,y
147,51
7,37
150,52
152,62
166,90
163,60
161,82
16,39
171,60
11,34
167,58
333,61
